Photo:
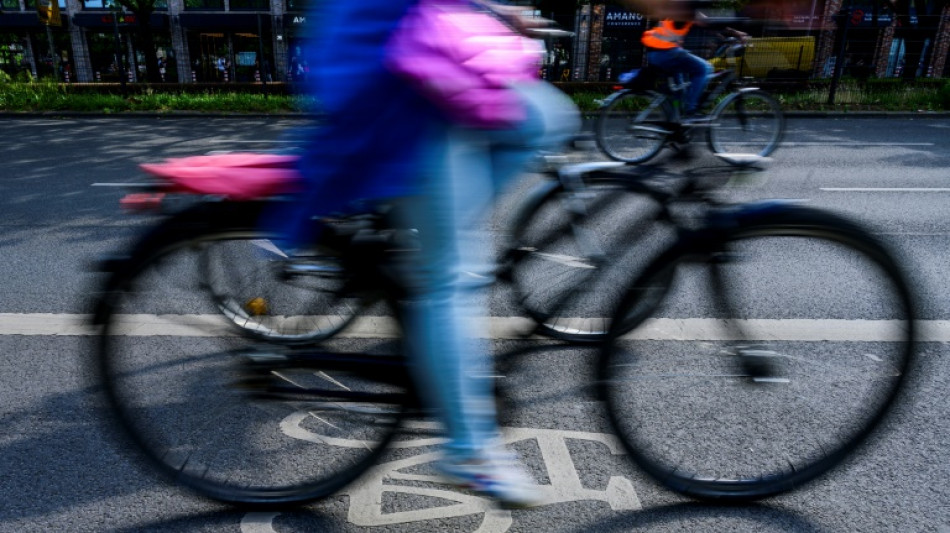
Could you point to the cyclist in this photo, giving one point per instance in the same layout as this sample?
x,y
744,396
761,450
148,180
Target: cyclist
x,y
664,44
381,139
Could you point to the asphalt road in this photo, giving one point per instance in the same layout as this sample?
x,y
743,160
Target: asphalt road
x,y
61,471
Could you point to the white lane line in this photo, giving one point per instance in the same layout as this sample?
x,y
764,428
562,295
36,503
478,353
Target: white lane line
x,y
885,189
213,325
853,143
246,141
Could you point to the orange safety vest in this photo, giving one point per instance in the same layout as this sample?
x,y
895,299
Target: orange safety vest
x,y
665,36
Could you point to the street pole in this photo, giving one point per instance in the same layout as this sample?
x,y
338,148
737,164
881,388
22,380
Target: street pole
x,y
53,56
118,51
260,61
839,61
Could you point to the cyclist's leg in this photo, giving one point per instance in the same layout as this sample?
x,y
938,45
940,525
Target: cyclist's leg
x,y
450,362
679,60
699,71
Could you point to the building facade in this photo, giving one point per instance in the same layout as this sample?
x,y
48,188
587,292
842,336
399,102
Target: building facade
x,y
258,40
195,40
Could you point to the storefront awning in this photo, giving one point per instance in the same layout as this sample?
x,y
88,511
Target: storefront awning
x,y
225,21
104,19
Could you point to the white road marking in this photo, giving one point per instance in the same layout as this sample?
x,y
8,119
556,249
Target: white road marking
x,y
885,189
852,143
247,141
366,494
381,327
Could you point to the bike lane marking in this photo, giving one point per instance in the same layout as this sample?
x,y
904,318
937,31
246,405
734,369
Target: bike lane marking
x,y
507,328
366,495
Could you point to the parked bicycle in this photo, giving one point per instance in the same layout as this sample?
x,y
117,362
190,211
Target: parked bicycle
x,y
645,115
743,402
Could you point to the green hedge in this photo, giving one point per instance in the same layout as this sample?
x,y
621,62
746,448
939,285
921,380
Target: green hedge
x,y
45,95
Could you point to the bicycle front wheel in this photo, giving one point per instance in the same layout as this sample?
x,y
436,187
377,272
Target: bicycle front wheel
x,y
747,122
572,249
633,127
771,361
240,421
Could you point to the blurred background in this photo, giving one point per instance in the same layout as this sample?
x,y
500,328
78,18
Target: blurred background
x,y
258,41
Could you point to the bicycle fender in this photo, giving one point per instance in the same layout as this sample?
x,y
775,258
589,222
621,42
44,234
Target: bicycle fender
x,y
747,89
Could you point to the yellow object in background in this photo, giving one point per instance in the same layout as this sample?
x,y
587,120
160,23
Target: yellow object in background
x,y
48,12
764,54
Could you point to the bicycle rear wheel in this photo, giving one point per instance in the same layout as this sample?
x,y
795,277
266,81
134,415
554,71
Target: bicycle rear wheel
x,y
633,127
260,424
571,250
747,122
771,361
270,296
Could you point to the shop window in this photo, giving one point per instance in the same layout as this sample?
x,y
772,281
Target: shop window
x,y
256,5
216,5
12,57
298,5
100,4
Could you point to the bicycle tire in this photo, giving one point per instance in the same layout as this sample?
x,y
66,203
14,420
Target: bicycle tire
x,y
632,128
245,280
746,122
189,396
768,401
564,265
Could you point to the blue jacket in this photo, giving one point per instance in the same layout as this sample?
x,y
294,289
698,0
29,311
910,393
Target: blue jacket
x,y
373,127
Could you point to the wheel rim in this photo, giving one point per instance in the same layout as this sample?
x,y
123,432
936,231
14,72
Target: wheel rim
x,y
567,272
247,278
626,133
749,124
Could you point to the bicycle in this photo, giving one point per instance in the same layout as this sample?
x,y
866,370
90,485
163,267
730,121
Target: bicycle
x,y
270,296
255,423
641,118
780,383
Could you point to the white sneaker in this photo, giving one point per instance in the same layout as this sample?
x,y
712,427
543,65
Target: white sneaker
x,y
497,475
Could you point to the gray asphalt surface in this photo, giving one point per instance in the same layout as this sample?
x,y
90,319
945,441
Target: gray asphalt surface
x,y
61,470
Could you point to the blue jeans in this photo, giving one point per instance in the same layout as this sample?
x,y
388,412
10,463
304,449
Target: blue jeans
x,y
444,332
678,60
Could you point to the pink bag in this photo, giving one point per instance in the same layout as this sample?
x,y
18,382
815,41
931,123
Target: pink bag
x,y
463,60
239,176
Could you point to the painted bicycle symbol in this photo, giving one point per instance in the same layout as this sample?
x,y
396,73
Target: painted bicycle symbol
x,y
396,477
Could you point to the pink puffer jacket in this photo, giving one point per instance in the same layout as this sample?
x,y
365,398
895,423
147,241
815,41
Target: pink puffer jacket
x,y
463,60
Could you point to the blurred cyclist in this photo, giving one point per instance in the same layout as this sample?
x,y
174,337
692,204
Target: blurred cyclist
x,y
383,138
664,44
